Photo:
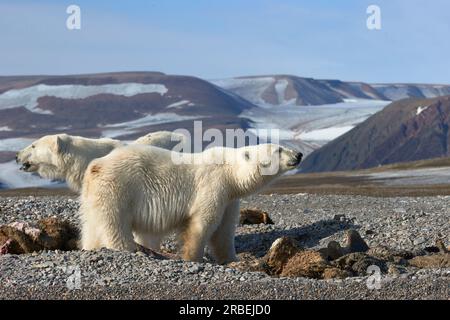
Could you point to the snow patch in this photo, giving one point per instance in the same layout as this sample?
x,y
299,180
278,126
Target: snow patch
x,y
179,104
326,134
250,89
28,97
421,109
280,88
152,119
318,124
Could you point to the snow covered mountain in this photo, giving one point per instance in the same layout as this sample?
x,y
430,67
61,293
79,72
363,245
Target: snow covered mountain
x,y
396,92
406,130
288,90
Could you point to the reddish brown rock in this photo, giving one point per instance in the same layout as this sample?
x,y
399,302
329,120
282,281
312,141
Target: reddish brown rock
x,y
355,243
49,234
332,273
357,263
254,216
431,261
305,263
279,253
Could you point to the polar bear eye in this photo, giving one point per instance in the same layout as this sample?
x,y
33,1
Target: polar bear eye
x,y
247,155
32,146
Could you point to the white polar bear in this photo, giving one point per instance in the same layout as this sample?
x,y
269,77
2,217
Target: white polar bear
x,y
142,191
162,139
65,157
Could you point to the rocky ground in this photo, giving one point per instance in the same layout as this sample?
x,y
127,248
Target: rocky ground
x,y
312,220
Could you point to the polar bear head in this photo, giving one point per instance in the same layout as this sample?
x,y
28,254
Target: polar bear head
x,y
256,166
44,156
57,156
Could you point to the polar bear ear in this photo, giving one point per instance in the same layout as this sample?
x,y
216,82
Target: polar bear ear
x,y
61,144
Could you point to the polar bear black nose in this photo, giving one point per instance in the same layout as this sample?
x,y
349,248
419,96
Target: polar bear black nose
x,y
299,156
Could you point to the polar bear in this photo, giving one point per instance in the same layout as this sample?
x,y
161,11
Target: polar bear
x,y
65,157
162,139
150,191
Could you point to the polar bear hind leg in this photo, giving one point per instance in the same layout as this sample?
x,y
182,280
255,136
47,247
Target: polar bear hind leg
x,y
105,228
105,223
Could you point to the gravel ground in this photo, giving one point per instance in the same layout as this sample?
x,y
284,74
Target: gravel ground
x,y
314,220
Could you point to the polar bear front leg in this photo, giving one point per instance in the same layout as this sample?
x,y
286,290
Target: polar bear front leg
x,y
197,233
222,240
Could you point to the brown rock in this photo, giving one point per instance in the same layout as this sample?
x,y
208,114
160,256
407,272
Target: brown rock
x,y
389,254
441,246
50,234
334,250
358,262
254,216
305,263
331,273
279,253
57,234
431,261
14,241
355,242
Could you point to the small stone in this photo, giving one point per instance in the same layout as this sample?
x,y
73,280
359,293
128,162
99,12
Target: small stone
x,y
419,241
254,216
196,269
441,246
392,269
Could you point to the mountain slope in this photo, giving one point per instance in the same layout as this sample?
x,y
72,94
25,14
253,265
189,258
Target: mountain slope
x,y
400,91
93,104
282,90
407,130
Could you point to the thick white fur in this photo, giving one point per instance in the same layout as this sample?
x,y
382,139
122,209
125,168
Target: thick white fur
x,y
162,139
141,190
65,157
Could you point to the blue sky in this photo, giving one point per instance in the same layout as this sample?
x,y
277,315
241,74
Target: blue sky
x,y
216,39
